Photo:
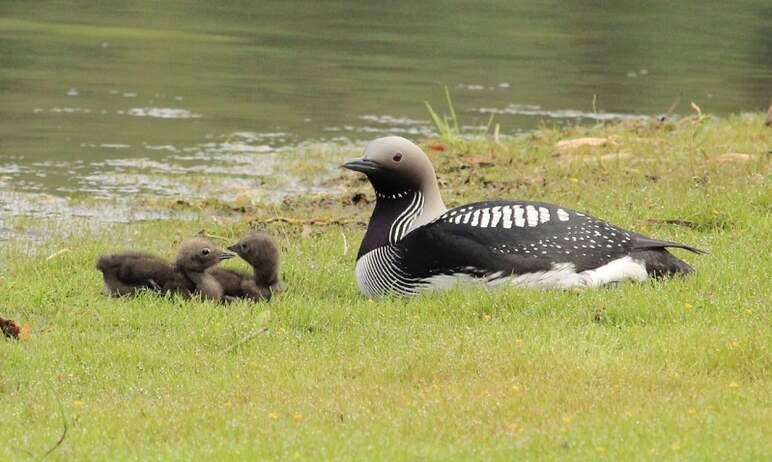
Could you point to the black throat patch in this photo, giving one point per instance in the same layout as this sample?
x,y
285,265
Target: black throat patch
x,y
391,218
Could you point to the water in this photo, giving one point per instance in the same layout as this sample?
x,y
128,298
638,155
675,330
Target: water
x,y
115,98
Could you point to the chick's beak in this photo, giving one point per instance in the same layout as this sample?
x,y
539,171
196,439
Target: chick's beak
x,y
226,255
234,247
361,165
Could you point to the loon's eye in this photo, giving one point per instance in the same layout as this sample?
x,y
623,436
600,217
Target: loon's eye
x,y
397,157
205,251
243,247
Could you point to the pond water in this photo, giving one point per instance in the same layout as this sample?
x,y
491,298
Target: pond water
x,y
114,98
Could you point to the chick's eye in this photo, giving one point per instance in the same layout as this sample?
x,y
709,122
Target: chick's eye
x,y
397,157
243,247
205,252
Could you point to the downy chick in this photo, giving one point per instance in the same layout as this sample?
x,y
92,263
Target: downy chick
x,y
261,252
126,273
194,262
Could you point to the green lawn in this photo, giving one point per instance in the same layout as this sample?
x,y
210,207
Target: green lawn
x,y
670,370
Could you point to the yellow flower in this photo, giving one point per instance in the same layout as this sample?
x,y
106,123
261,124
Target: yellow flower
x,y
573,179
77,404
515,388
228,404
567,419
688,306
297,417
24,332
733,385
600,449
273,415
692,411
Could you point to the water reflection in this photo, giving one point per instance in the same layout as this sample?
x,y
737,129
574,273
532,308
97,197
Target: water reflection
x,y
107,99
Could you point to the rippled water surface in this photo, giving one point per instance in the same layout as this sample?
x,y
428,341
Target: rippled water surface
x,y
112,99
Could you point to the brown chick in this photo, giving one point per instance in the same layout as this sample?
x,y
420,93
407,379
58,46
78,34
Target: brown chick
x,y
194,261
261,252
128,272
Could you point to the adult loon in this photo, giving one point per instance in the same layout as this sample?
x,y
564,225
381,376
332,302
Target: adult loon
x,y
414,243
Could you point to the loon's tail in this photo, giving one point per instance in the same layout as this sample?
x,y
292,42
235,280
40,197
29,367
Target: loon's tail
x,y
645,243
659,262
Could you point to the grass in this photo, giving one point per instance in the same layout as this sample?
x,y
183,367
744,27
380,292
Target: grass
x,y
447,126
670,370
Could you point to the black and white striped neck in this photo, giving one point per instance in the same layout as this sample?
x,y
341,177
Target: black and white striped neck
x,y
392,218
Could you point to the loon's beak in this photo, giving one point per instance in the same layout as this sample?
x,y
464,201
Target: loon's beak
x,y
225,256
362,165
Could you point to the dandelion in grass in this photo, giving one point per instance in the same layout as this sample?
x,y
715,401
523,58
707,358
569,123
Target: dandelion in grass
x,y
77,404
600,449
515,428
688,306
228,404
274,416
24,332
297,417
733,385
566,419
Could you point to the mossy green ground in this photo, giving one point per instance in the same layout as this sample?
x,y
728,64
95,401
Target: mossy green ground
x,y
669,370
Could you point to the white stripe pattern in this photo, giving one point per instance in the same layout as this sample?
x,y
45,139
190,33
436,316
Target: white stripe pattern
x,y
519,219
504,216
507,218
378,273
402,223
496,211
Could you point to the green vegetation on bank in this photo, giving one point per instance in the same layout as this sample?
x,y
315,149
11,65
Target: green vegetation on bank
x,y
667,370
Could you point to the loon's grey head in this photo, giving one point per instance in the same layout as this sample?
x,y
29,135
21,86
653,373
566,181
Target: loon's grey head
x,y
198,254
394,165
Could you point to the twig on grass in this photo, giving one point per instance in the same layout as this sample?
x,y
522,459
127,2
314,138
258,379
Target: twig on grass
x,y
62,437
312,221
57,253
686,223
245,339
207,235
345,244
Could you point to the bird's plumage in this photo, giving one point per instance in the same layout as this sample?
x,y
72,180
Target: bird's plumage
x,y
261,252
408,249
128,272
